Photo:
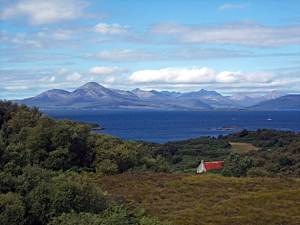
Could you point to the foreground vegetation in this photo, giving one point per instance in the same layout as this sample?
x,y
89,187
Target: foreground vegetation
x,y
277,153
43,163
59,172
184,199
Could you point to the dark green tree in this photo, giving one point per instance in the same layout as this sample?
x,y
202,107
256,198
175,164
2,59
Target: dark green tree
x,y
236,165
12,210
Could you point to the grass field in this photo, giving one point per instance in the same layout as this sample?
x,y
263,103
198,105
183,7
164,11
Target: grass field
x,y
241,147
182,199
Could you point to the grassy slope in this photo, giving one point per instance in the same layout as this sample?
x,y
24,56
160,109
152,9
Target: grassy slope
x,y
241,147
183,199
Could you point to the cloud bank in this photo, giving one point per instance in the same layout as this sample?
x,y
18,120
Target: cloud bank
x,y
40,12
198,75
241,34
105,70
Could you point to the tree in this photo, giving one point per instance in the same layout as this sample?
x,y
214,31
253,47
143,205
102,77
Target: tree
x,y
71,192
12,210
236,165
114,216
77,219
65,193
107,167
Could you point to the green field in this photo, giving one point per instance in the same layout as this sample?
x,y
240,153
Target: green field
x,y
241,147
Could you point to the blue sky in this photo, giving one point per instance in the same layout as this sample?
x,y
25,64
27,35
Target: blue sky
x,y
228,46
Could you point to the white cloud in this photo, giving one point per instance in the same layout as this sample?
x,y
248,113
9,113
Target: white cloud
x,y
74,77
110,80
242,34
173,75
198,75
16,87
62,35
111,29
48,79
44,11
105,70
124,55
45,38
229,6
62,71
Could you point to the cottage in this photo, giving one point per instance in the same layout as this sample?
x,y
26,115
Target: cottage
x,y
206,166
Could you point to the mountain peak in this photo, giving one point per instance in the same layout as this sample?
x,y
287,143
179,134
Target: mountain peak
x,y
206,92
202,93
53,92
136,89
91,85
94,91
59,91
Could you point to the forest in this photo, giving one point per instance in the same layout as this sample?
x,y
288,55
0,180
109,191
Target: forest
x,y
55,172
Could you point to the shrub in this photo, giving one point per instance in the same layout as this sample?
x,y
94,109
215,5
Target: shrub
x,y
107,167
113,216
236,165
12,210
8,182
77,219
75,193
63,194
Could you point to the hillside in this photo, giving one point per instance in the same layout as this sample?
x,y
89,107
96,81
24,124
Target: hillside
x,y
58,172
89,96
43,171
288,102
182,199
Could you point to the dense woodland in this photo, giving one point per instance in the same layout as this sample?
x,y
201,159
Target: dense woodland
x,y
46,167
43,163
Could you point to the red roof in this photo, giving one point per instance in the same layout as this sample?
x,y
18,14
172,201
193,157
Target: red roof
x,y
213,165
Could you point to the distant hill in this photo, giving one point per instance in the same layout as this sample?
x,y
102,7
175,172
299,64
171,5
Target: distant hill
x,y
288,102
247,100
90,96
95,96
212,98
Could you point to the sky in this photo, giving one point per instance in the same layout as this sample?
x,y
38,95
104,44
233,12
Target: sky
x,y
179,45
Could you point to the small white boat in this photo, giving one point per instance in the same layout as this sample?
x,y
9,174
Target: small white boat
x,y
269,119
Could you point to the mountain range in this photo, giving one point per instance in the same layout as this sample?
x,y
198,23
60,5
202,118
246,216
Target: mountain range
x,y
95,96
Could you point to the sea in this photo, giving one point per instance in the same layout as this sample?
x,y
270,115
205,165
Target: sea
x,y
166,126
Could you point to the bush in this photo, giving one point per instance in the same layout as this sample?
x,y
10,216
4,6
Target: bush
x,y
75,193
236,165
12,210
38,204
114,216
77,219
64,194
117,215
8,182
31,177
107,167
